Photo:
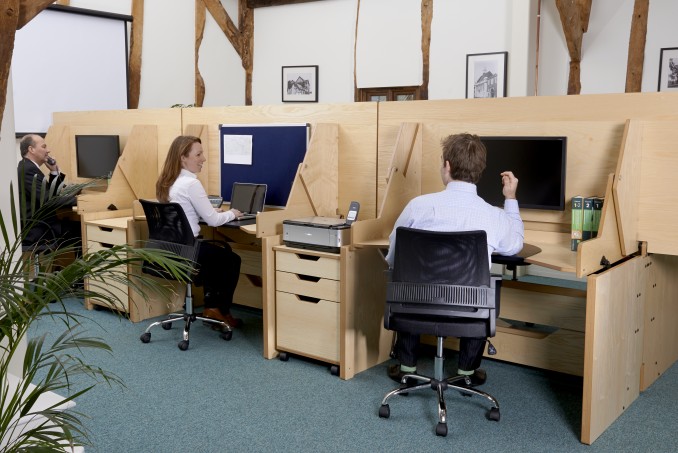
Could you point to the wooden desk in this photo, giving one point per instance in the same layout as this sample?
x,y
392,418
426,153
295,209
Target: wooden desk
x,y
102,230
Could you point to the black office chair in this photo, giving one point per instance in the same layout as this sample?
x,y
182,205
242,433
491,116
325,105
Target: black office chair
x,y
169,229
33,246
441,285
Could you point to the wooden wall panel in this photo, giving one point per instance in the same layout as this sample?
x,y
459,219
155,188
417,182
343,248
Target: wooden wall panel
x,y
120,122
658,198
61,139
357,141
595,122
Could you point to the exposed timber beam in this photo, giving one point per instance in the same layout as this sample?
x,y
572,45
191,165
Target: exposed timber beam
x,y
263,3
200,17
634,65
574,17
134,65
224,22
426,19
241,39
29,9
9,19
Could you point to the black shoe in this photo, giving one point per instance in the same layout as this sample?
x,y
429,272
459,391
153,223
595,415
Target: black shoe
x,y
478,377
396,374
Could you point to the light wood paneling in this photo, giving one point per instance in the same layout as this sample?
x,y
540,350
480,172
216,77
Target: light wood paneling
x,y
660,344
657,213
318,339
606,116
614,345
357,141
139,161
61,138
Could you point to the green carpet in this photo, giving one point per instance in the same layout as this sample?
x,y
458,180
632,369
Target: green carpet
x,y
224,396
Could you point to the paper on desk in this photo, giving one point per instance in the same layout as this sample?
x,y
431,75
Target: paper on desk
x,y
237,149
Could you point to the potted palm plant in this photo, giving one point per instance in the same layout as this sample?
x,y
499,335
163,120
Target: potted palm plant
x,y
53,364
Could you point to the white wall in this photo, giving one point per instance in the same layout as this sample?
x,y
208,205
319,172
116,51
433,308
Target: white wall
x,y
8,159
323,33
388,51
220,65
315,33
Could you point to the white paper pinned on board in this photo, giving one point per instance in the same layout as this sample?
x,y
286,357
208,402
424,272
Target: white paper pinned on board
x,y
237,149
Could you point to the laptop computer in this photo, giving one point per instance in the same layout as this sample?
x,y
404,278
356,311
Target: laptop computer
x,y
248,198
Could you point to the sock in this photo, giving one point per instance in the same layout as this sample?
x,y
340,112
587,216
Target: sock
x,y
408,369
465,373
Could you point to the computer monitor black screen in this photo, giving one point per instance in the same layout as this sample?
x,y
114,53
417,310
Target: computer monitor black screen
x,y
96,155
539,164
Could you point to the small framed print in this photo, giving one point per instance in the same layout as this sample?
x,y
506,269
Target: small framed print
x,y
668,69
300,83
486,75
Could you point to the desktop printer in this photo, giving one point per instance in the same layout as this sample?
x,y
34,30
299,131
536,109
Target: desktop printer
x,y
317,233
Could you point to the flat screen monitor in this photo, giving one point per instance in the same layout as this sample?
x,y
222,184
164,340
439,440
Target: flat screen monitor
x,y
539,164
96,155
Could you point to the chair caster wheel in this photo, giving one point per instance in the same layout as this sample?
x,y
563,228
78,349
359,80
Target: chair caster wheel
x,y
334,370
284,357
441,429
226,335
183,345
167,326
493,414
384,411
145,337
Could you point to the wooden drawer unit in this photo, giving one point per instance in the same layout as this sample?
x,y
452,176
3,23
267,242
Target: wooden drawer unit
x,y
103,234
307,326
308,303
106,235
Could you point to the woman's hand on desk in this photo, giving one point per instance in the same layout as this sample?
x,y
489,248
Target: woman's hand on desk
x,y
236,213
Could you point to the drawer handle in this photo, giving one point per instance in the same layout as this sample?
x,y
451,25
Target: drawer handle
x,y
105,245
308,278
313,300
107,229
301,256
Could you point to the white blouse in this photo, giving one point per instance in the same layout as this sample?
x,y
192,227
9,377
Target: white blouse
x,y
190,194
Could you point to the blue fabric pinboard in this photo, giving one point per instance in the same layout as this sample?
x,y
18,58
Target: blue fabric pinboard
x,y
262,154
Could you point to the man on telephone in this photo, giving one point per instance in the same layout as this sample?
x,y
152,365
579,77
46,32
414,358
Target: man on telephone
x,y
34,153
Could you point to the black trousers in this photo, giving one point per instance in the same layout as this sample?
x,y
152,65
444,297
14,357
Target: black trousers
x,y
219,273
470,350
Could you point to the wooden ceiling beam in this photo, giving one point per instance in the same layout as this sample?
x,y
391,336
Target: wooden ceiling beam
x,y
574,17
224,22
246,25
29,9
426,19
135,46
264,3
634,64
9,18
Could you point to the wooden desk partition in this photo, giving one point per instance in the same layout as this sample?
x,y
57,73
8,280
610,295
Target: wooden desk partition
x,y
619,334
623,300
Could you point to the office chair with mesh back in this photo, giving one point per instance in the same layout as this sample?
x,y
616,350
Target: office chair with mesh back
x,y
441,285
169,229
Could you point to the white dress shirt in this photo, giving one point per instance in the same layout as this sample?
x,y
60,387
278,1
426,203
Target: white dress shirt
x,y
459,208
190,194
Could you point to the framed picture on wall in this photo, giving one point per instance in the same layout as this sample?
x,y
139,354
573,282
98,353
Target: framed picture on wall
x,y
486,75
668,69
300,83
